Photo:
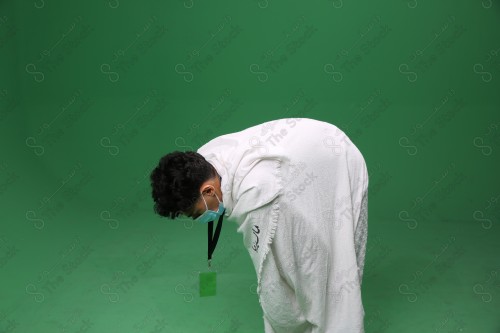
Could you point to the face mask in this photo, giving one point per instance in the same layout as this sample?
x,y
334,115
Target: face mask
x,y
210,215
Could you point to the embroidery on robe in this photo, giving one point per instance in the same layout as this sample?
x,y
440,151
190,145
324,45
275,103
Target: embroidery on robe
x,y
256,230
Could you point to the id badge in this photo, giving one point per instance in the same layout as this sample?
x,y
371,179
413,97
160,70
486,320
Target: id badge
x,y
208,283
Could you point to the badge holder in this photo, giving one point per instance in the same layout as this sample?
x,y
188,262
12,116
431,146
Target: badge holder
x,y
208,280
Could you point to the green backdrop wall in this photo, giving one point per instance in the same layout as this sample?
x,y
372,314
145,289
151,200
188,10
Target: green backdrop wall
x,y
93,93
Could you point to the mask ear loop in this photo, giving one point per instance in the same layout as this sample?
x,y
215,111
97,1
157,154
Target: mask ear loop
x,y
204,200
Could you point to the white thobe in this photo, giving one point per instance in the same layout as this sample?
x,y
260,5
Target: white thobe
x,y
298,190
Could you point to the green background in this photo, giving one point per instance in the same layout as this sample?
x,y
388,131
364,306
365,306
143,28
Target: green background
x,y
93,93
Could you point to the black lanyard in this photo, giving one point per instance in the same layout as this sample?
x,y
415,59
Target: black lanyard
x,y
212,242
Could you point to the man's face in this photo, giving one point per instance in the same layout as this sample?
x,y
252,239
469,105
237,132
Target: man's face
x,y
199,206
195,211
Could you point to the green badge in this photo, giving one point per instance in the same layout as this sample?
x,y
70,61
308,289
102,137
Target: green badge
x,y
208,283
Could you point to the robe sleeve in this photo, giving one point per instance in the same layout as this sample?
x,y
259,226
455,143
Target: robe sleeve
x,y
303,262
361,235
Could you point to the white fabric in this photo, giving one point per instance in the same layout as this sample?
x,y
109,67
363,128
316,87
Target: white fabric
x,y
297,188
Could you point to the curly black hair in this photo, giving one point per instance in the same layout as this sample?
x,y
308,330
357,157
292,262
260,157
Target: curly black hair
x,y
176,182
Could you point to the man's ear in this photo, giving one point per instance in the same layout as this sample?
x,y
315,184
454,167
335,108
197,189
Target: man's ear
x,y
208,190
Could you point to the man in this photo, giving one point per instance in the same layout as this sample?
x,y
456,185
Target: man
x,y
298,190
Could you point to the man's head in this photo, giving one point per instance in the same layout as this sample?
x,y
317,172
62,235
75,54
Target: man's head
x,y
178,181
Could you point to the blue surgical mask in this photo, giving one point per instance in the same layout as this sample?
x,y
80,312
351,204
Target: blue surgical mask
x,y
210,215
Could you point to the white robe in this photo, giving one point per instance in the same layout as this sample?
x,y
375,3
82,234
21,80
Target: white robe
x,y
297,188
